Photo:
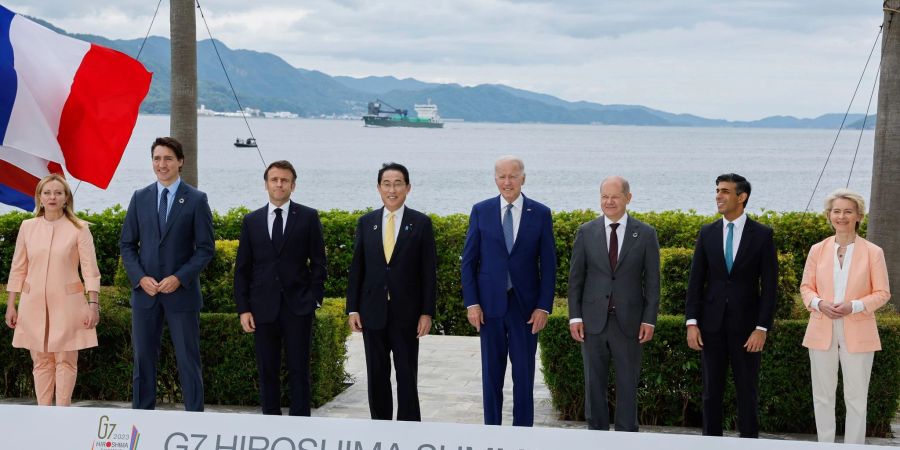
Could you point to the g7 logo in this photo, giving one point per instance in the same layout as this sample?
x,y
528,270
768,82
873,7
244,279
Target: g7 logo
x,y
105,429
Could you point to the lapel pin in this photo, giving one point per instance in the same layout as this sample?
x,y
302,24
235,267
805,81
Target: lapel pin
x,y
634,235
406,228
528,209
181,200
374,227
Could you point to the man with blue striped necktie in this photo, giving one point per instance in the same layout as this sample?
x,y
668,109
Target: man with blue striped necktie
x,y
730,304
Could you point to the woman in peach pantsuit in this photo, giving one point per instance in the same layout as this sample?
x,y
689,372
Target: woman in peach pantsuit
x,y
53,320
845,280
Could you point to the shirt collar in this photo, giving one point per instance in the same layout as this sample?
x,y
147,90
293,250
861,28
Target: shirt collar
x,y
623,221
397,213
517,203
173,188
284,208
738,223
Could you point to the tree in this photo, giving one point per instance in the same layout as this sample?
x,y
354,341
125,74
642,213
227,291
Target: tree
x,y
183,118
884,215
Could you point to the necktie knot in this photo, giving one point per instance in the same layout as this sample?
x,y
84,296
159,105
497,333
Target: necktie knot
x,y
614,226
278,212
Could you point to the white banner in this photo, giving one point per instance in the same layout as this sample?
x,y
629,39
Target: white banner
x,y
33,427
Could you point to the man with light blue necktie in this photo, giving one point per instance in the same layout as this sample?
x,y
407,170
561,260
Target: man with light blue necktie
x,y
508,281
730,305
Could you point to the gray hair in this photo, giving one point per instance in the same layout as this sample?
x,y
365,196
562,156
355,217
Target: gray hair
x,y
513,158
626,188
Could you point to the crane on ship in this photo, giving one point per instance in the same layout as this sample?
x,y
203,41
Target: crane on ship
x,y
379,107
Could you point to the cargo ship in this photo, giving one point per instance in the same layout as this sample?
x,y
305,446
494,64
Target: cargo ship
x,y
382,114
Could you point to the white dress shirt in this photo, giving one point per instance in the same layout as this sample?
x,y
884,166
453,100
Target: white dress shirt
x,y
398,219
737,233
840,281
284,215
516,213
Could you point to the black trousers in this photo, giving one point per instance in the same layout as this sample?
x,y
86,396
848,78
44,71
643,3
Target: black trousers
x,y
399,339
721,349
294,333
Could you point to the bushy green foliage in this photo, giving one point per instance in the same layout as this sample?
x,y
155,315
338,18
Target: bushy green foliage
x,y
217,280
677,230
671,386
229,364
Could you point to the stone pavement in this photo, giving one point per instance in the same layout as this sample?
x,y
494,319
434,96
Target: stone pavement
x,y
450,391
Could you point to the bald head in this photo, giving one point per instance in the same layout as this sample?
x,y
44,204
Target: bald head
x,y
618,183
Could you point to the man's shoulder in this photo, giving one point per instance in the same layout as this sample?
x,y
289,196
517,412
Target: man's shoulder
x,y
371,215
416,215
711,226
754,224
486,203
535,205
303,209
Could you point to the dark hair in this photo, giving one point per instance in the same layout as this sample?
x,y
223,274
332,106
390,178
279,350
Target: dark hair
x,y
394,166
281,164
741,184
171,143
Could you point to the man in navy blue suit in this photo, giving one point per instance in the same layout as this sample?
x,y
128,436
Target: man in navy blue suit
x,y
279,281
508,280
167,239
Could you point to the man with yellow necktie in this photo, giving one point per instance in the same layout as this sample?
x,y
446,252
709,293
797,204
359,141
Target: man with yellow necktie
x,y
391,293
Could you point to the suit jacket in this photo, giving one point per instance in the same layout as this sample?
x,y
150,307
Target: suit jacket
x,y
185,247
410,278
866,282
748,291
531,264
45,270
295,271
634,285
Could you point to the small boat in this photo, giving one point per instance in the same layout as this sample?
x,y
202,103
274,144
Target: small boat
x,y
249,142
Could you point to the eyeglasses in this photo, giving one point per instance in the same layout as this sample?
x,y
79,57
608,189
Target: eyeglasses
x,y
387,185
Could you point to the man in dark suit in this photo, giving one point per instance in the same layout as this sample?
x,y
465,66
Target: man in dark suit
x,y
167,239
730,304
279,281
391,293
613,301
508,280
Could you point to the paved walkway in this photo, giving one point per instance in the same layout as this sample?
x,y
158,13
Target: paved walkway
x,y
450,391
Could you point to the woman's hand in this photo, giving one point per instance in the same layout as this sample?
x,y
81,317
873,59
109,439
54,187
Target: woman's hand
x,y
91,315
11,315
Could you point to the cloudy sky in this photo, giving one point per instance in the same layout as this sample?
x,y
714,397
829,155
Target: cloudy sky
x,y
739,60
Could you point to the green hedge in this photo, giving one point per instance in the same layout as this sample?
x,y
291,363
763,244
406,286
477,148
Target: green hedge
x,y
794,234
229,362
671,386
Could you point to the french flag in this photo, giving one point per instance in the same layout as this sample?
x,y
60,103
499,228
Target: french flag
x,y
63,102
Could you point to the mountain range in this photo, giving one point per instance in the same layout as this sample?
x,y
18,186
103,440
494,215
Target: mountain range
x,y
267,82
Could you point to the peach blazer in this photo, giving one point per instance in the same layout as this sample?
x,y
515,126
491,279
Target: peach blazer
x,y
44,269
867,282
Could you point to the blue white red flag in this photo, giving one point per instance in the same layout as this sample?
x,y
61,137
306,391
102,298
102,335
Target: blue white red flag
x,y
63,102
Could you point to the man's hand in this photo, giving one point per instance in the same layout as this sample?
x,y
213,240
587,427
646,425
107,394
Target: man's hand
x,y
150,286
694,340
645,334
424,325
577,331
756,341
91,316
247,322
475,316
169,284
355,322
538,321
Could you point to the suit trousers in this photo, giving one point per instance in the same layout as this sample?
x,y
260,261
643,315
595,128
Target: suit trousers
x,y
721,349
510,336
626,354
146,336
294,333
399,340
857,370
54,371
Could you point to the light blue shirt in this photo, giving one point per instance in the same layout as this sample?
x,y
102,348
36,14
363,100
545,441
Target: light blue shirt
x,y
173,188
